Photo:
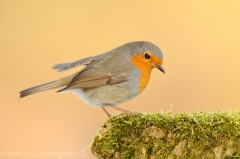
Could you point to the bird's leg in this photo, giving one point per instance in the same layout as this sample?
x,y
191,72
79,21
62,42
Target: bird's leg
x,y
105,110
120,109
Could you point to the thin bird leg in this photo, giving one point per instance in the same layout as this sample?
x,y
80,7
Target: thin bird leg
x,y
105,110
121,109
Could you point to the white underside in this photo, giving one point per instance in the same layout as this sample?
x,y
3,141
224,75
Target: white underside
x,y
80,94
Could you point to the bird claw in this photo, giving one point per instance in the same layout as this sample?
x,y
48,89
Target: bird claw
x,y
126,113
133,113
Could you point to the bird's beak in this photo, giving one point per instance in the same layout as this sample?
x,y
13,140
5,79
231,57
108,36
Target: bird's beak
x,y
161,68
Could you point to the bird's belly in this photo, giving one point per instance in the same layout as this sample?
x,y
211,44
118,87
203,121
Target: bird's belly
x,y
82,95
109,94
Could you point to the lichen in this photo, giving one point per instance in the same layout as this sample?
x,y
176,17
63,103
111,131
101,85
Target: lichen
x,y
165,136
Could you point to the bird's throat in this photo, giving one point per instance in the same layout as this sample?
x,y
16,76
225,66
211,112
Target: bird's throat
x,y
145,70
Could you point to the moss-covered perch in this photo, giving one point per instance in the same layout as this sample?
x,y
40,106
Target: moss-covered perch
x,y
162,135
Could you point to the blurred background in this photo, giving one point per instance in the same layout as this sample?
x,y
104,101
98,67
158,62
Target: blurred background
x,y
200,41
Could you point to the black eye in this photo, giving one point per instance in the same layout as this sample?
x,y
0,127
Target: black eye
x,y
147,56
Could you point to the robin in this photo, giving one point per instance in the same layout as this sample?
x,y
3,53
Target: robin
x,y
109,79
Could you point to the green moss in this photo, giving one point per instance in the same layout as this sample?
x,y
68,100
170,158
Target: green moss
x,y
162,135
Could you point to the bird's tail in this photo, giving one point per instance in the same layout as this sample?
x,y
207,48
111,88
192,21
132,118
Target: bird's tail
x,y
47,86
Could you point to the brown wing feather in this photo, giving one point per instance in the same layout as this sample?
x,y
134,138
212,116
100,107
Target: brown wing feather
x,y
87,84
89,74
117,79
89,78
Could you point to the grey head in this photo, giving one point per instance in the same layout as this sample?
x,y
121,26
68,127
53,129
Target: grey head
x,y
145,52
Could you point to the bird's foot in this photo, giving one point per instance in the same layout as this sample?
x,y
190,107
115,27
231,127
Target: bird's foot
x,y
127,112
133,113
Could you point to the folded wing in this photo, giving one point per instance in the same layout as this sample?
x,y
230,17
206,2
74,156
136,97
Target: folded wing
x,y
89,78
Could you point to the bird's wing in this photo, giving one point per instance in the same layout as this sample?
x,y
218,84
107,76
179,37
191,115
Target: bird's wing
x,y
91,77
66,66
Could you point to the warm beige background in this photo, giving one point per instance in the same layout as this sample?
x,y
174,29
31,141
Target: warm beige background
x,y
201,46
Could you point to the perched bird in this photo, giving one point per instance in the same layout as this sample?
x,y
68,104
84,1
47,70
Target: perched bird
x,y
109,79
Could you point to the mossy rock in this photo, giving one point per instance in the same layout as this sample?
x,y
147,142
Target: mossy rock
x,y
165,136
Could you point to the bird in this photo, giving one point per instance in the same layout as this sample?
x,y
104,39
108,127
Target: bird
x,y
108,79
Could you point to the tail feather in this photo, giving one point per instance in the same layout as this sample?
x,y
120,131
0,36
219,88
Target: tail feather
x,y
47,86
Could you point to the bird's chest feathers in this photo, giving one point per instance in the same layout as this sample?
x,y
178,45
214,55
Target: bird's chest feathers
x,y
145,71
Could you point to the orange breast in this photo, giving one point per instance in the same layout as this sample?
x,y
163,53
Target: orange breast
x,y
145,70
